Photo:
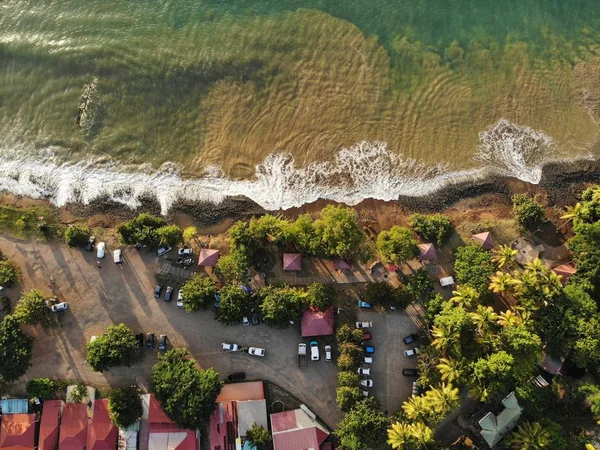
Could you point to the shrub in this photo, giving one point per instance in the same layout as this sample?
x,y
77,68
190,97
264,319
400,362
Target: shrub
x,y
348,379
32,309
43,388
527,210
346,397
9,273
435,228
345,333
118,347
125,406
77,236
397,244
198,293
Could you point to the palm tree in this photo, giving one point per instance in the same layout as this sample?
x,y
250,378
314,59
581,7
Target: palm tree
x,y
508,318
500,282
398,435
449,370
420,434
483,318
416,407
465,296
552,284
503,255
576,213
536,267
443,399
530,436
444,336
479,391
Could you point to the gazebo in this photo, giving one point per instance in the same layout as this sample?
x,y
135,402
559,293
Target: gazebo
x,y
566,271
292,261
484,239
427,252
317,323
208,257
341,264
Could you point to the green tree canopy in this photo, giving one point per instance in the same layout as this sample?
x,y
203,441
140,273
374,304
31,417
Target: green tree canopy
x,y
77,235
15,350
585,245
527,210
347,396
397,244
198,293
473,266
32,309
125,406
338,232
190,234
346,333
365,415
188,394
234,266
234,304
169,235
43,388
281,304
267,229
434,228
141,230
381,293
118,347
320,296
348,379
259,436
301,234
9,273
493,374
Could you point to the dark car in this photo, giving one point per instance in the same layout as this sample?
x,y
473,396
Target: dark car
x,y
140,339
367,336
90,245
237,376
254,319
162,343
169,294
411,338
157,291
410,372
150,341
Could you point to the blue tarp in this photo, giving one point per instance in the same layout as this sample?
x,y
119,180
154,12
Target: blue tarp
x,y
14,406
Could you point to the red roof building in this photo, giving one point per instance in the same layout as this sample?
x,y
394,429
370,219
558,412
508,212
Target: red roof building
x,y
297,430
73,428
208,257
49,425
163,434
566,271
484,239
317,323
102,433
292,261
223,426
17,432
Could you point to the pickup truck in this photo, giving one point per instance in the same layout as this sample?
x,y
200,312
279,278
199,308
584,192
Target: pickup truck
x,y
301,354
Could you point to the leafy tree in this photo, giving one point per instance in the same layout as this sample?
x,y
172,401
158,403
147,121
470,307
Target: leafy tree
x,y
141,230
301,233
280,305
32,309
43,388
347,363
419,285
434,228
530,436
118,347
465,296
125,406
348,379
169,235
365,415
267,228
347,396
493,374
527,210
188,395
15,350
241,239
433,306
585,245
259,436
320,296
526,348
453,331
234,304
234,266
346,333
397,244
338,232
473,267
351,349
381,293
77,235
433,406
190,234
9,273
198,293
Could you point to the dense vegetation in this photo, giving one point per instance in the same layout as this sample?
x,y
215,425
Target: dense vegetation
x,y
33,310
116,347
15,350
125,406
77,235
146,229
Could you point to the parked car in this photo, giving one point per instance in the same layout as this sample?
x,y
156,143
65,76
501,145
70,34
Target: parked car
x,y
314,351
118,256
163,250
415,388
411,338
237,376
150,341
410,372
364,324
100,250
367,336
369,349
169,294
368,359
245,321
162,343
185,260
217,300
254,319
140,340
157,290
180,299
411,352
368,383
366,305
90,245
59,307
328,353
184,251
230,347
364,371
256,351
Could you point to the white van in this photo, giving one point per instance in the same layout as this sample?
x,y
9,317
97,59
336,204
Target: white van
x,y
117,256
100,250
314,351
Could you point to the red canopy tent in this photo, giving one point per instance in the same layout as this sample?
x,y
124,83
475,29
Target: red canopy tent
x,y
208,257
292,261
427,252
317,323
484,239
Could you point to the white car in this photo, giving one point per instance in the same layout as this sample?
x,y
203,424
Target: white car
x,y
314,351
364,324
245,321
163,250
328,353
100,249
180,299
59,307
256,351
230,347
368,383
364,371
411,352
184,251
368,359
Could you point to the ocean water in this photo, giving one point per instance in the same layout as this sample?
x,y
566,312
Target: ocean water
x,y
287,101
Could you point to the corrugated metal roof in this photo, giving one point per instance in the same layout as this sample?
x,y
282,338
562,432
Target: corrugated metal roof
x,y
14,406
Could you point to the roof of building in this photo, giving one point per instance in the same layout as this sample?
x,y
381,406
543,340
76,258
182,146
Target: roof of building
x,y
208,257
427,251
292,261
341,264
296,430
102,433
494,428
165,437
17,431
252,390
249,413
317,323
49,425
153,410
566,271
73,427
484,239
14,406
223,426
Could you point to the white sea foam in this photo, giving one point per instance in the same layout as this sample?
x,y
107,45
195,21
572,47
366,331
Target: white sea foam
x,y
366,170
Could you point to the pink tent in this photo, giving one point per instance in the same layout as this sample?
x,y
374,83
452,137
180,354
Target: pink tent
x,y
427,252
484,239
208,257
292,261
317,323
341,264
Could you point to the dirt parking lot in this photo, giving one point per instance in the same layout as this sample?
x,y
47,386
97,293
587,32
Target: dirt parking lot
x,y
99,297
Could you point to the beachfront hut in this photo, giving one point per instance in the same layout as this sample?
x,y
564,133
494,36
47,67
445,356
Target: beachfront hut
x,y
566,271
292,261
484,239
427,252
208,257
341,264
317,323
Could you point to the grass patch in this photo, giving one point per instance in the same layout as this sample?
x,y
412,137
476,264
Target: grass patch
x,y
36,222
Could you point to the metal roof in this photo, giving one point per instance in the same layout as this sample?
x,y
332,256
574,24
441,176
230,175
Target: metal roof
x,y
14,406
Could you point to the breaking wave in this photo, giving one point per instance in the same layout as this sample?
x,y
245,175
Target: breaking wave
x,y
366,170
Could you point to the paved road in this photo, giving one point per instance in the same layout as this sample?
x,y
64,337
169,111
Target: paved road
x,y
99,297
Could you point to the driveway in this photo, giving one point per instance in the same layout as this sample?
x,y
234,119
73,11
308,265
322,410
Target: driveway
x,y
112,294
